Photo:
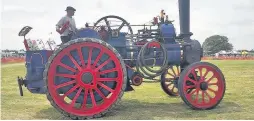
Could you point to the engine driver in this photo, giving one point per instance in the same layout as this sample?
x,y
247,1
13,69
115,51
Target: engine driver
x,y
66,26
162,14
103,33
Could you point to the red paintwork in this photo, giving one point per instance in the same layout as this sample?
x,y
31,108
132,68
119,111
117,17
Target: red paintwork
x,y
26,45
150,45
12,60
65,26
137,83
155,20
76,79
154,44
201,97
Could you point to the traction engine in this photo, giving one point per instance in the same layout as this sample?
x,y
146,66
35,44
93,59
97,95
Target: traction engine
x,y
87,76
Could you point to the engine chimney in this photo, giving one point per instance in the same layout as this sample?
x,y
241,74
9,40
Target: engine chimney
x,y
184,16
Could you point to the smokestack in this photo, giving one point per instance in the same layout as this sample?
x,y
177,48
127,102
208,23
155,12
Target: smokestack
x,y
184,16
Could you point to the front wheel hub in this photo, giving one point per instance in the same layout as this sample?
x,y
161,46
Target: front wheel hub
x,y
203,86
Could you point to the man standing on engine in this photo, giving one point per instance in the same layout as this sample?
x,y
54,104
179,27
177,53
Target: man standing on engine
x,y
66,26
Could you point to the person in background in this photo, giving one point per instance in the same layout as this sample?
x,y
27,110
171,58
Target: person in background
x,y
155,21
162,16
66,26
167,21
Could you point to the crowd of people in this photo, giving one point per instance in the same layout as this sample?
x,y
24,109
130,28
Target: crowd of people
x,y
12,54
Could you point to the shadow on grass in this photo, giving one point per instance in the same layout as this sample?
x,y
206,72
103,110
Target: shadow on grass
x,y
135,110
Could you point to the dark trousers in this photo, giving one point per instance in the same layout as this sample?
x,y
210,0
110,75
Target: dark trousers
x,y
162,20
65,39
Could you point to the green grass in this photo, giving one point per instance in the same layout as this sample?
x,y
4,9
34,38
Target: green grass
x,y
148,101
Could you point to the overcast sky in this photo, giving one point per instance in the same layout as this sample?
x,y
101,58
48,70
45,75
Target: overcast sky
x,y
232,18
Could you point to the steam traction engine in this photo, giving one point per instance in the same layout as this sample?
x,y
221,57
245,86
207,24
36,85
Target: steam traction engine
x,y
86,77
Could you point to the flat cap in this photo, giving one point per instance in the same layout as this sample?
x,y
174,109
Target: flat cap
x,y
70,8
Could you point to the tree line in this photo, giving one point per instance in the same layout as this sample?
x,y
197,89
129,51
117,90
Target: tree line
x,y
217,43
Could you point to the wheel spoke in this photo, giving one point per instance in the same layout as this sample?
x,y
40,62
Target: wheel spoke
x,y
67,67
74,62
107,79
200,70
205,74
171,74
103,64
194,74
193,92
189,87
107,23
98,58
173,71
169,79
100,93
65,84
70,91
196,100
93,98
81,56
173,88
208,95
169,84
203,97
190,94
212,83
76,97
89,57
66,75
212,90
210,79
106,87
108,71
121,26
191,80
178,72
85,98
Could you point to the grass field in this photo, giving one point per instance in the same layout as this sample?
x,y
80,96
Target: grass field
x,y
148,101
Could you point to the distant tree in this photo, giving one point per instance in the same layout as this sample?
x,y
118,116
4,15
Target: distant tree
x,y
216,43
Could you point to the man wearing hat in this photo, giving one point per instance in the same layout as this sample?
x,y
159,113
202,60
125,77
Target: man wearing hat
x,y
66,26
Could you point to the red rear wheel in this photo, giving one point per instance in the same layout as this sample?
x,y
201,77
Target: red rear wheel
x,y
202,85
85,78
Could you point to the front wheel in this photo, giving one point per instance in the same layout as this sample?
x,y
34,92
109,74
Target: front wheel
x,y
202,85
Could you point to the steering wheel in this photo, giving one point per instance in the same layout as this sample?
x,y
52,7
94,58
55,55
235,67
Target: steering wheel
x,y
113,30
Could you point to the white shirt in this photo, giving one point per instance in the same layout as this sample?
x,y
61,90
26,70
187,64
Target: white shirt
x,y
72,27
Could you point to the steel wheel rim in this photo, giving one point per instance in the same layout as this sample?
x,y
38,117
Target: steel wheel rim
x,y
79,87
